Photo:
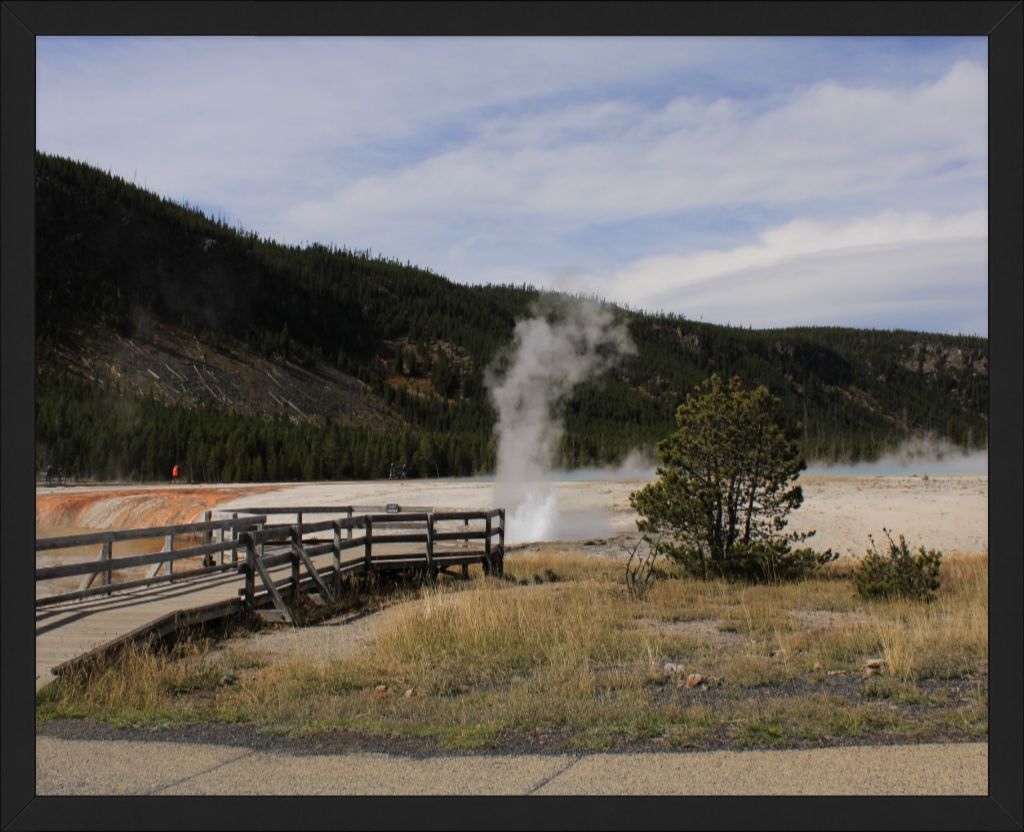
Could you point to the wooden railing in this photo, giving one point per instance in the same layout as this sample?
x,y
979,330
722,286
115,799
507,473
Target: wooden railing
x,y
427,541
103,569
298,550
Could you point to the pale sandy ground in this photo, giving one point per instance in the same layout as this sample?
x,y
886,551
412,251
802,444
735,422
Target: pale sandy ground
x,y
945,512
115,767
949,513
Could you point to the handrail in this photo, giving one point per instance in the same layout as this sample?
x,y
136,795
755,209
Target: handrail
x,y
287,543
47,543
318,509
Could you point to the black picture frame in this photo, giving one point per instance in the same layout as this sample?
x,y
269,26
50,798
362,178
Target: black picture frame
x,y
1000,22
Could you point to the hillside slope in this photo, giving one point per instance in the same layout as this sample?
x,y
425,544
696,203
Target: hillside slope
x,y
247,359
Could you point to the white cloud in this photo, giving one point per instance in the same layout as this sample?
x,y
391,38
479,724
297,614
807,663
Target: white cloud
x,y
515,159
615,159
889,231
870,271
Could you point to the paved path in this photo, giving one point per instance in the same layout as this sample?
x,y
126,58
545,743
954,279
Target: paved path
x,y
115,767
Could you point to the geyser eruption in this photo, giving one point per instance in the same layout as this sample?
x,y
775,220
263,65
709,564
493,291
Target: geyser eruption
x,y
565,343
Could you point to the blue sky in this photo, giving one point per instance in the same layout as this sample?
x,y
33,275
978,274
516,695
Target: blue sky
x,y
752,181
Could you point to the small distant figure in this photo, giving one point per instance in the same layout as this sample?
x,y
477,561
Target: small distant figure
x,y
391,471
49,475
405,471
175,473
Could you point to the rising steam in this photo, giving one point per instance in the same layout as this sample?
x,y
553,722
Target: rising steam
x,y
918,455
565,343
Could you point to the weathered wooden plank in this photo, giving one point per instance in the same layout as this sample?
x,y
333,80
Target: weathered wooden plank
x,y
378,558
312,570
387,539
460,515
319,549
168,547
487,562
107,575
66,570
440,536
404,563
431,569
467,557
47,543
378,509
382,519
404,509
295,510
368,546
160,626
75,595
251,556
268,582
501,542
270,561
322,526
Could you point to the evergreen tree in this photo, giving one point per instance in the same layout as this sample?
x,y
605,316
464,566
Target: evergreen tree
x,y
726,484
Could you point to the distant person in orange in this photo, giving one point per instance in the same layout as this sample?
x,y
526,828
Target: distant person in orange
x,y
175,471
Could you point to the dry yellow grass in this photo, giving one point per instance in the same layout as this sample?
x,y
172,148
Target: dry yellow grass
x,y
465,663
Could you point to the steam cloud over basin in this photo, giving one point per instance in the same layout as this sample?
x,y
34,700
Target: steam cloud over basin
x,y
565,343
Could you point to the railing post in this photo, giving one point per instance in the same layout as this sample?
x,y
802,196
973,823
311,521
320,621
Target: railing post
x,y
349,515
368,548
487,545
501,543
296,540
106,553
336,554
168,547
250,572
208,538
431,570
232,535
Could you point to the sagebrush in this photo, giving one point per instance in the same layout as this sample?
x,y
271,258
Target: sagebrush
x,y
899,573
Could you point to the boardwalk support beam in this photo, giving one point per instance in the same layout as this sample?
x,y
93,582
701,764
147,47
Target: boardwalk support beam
x,y
299,551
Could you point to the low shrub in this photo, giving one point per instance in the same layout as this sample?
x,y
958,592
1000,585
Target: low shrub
x,y
900,573
760,562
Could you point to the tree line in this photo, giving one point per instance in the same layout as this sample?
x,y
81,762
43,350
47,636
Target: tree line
x,y
110,254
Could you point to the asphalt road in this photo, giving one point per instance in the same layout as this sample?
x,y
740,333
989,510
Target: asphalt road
x,y
121,767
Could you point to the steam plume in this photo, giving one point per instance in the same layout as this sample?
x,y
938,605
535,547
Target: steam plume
x,y
565,343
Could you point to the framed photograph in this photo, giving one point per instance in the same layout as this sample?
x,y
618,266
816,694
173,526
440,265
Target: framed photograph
x,y
608,403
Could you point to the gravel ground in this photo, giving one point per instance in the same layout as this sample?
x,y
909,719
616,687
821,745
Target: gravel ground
x,y
118,767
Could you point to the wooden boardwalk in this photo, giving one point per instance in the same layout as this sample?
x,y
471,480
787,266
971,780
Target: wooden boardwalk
x,y
255,567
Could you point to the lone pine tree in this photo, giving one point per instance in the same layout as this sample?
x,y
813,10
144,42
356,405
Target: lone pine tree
x,y
726,485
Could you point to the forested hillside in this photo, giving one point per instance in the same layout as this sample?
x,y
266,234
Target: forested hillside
x,y
165,336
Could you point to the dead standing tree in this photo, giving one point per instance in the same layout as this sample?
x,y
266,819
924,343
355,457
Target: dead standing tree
x,y
640,572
